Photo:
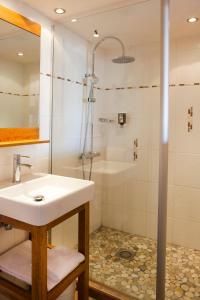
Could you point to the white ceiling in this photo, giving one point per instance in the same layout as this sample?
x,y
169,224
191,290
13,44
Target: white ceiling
x,y
134,24
134,21
76,8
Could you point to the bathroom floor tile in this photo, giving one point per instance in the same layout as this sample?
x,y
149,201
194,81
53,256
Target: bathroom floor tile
x,y
135,273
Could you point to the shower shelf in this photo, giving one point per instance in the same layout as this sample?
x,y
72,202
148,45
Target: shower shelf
x,y
105,120
107,173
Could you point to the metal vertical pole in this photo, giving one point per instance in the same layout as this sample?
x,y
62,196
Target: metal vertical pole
x,y
163,159
52,115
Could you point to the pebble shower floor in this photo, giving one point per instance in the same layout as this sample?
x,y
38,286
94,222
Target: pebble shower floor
x,y
136,276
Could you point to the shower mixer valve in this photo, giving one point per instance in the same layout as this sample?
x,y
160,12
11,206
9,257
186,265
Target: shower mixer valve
x,y
89,155
135,149
190,119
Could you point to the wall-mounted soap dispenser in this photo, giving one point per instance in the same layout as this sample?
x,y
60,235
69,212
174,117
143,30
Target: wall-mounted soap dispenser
x,y
121,119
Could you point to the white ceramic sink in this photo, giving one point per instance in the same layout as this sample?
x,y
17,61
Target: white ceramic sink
x,y
61,195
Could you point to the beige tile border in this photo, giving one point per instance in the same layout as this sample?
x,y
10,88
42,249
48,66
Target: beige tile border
x,y
19,95
122,87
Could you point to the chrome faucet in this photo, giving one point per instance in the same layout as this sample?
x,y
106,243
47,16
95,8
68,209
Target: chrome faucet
x,y
17,167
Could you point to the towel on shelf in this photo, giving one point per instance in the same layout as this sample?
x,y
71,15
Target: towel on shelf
x,y
61,261
58,257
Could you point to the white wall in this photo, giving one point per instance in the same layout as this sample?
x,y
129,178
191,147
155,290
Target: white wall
x,y
184,205
142,105
139,198
39,153
31,86
134,203
13,108
22,79
71,62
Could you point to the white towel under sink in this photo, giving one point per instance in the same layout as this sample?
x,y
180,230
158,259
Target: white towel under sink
x,y
17,262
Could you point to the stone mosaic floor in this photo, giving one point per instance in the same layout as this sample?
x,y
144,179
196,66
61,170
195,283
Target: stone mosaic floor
x,y
136,276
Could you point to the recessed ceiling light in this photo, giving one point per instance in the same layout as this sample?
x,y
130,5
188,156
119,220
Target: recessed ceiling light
x,y
20,54
73,20
60,11
192,20
96,34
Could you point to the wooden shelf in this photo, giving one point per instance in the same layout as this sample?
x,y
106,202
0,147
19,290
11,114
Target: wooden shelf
x,y
23,142
39,260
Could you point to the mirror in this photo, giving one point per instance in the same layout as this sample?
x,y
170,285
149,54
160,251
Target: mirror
x,y
19,77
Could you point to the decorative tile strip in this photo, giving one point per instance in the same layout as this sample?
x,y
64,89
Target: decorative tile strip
x,y
120,88
144,87
29,95
18,95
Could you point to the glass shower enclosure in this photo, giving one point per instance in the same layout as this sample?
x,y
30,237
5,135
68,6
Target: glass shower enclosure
x,y
106,129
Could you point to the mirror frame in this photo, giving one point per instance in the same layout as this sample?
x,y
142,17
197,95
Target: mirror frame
x,y
19,136
20,21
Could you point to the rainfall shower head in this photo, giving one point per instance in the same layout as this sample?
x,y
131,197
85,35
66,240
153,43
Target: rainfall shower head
x,y
123,59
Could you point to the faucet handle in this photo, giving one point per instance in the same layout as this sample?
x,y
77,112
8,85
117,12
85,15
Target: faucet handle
x,y
19,155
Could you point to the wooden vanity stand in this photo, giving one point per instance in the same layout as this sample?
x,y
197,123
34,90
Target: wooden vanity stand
x,y
38,290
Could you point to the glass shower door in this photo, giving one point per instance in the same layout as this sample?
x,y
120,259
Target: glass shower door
x,y
124,157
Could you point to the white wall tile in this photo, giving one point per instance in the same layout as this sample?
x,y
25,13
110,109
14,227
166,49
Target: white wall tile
x,y
186,203
186,233
187,170
135,223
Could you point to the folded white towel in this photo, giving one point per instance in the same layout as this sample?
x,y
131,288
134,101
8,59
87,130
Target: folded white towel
x,y
62,258
61,261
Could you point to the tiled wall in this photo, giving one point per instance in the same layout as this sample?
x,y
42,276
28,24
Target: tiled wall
x,y
19,94
134,89
11,75
184,221
39,153
70,100
139,198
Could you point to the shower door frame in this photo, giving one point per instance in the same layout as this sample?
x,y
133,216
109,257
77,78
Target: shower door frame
x,y
163,151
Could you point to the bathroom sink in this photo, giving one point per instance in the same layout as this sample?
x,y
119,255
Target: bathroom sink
x,y
44,199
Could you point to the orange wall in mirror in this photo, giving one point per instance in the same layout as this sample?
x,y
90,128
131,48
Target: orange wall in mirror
x,y
18,20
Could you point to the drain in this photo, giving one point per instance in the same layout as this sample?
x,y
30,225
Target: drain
x,y
125,254
39,198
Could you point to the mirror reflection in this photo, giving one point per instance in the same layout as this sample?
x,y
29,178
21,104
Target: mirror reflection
x,y
19,77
